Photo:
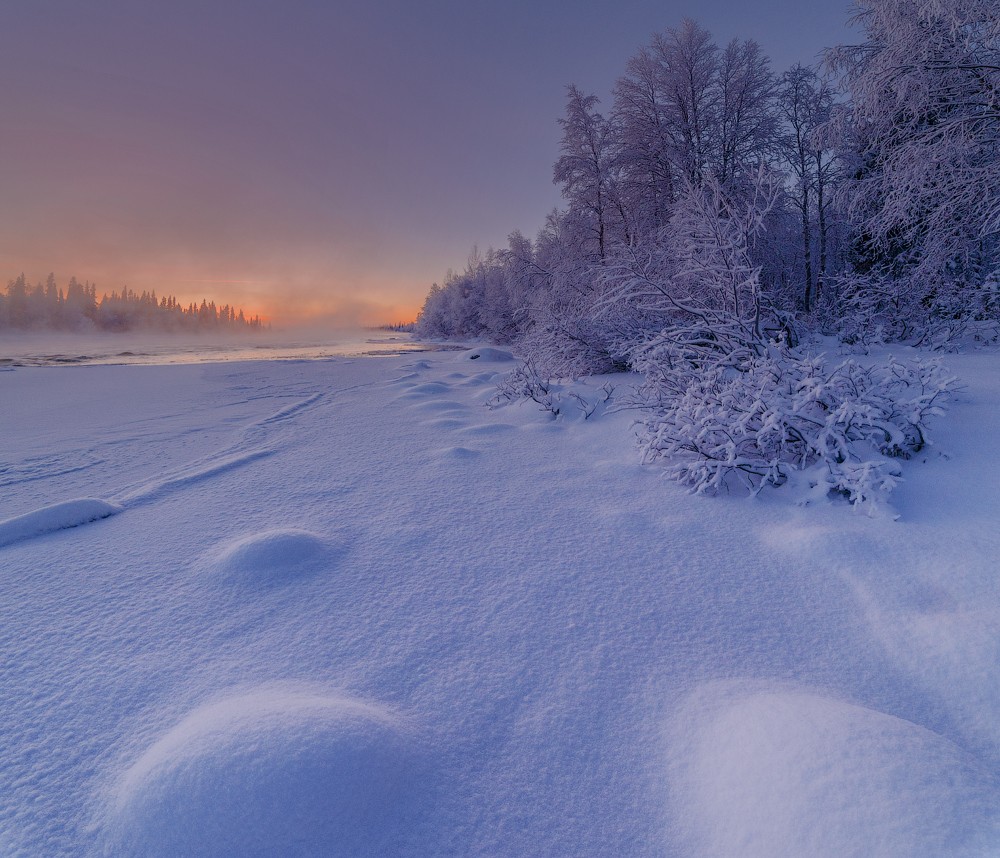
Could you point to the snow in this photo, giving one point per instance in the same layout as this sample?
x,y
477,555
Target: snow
x,y
344,608
270,771
273,556
783,772
485,353
58,516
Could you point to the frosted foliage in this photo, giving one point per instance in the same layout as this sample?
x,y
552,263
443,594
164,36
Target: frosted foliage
x,y
849,425
525,382
698,290
926,127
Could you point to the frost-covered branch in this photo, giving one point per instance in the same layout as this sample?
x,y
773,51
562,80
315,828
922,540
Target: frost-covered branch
x,y
847,426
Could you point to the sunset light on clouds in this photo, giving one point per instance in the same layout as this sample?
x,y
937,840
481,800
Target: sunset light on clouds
x,y
306,159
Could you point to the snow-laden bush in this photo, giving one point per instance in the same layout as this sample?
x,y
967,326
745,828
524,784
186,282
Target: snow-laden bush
x,y
525,382
780,412
570,346
699,275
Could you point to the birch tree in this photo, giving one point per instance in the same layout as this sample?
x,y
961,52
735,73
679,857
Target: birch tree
x,y
585,168
805,103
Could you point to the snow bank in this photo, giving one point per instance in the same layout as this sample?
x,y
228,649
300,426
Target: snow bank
x,y
58,516
788,772
277,770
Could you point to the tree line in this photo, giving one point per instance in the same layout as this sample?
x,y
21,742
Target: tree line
x,y
721,215
78,308
860,197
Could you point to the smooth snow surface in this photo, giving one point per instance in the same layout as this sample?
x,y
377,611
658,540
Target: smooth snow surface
x,y
273,771
776,772
340,607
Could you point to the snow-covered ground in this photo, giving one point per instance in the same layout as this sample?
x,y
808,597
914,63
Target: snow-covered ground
x,y
339,607
54,348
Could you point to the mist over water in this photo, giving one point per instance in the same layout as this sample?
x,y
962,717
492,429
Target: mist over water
x,y
137,348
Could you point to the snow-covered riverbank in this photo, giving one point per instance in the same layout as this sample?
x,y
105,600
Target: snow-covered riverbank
x,y
340,607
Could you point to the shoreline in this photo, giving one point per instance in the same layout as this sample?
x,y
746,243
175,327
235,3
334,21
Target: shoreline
x,y
139,350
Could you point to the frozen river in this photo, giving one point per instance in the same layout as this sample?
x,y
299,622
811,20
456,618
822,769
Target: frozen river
x,y
52,349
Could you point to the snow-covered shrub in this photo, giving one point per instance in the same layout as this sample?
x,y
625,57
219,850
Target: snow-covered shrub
x,y
697,285
872,310
525,382
779,412
570,346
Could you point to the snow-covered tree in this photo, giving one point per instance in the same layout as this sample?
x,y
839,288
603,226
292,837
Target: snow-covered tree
x,y
806,101
694,297
925,124
647,145
690,63
585,170
47,306
747,117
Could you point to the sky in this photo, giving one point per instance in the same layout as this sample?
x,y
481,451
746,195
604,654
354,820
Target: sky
x,y
311,159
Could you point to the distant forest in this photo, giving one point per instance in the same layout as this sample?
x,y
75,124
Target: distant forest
x,y
47,306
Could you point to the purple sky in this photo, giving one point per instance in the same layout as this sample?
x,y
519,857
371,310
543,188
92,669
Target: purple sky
x,y
315,156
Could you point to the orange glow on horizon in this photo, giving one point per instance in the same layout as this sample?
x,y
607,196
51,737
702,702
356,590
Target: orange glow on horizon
x,y
280,302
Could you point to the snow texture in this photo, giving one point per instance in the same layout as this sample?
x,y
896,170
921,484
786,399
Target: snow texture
x,y
787,772
58,516
346,608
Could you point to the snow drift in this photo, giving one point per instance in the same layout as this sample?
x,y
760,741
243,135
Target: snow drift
x,y
270,771
58,516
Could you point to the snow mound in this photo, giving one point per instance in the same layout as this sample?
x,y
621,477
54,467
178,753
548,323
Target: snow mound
x,y
489,354
274,556
770,773
276,771
445,423
459,453
59,516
